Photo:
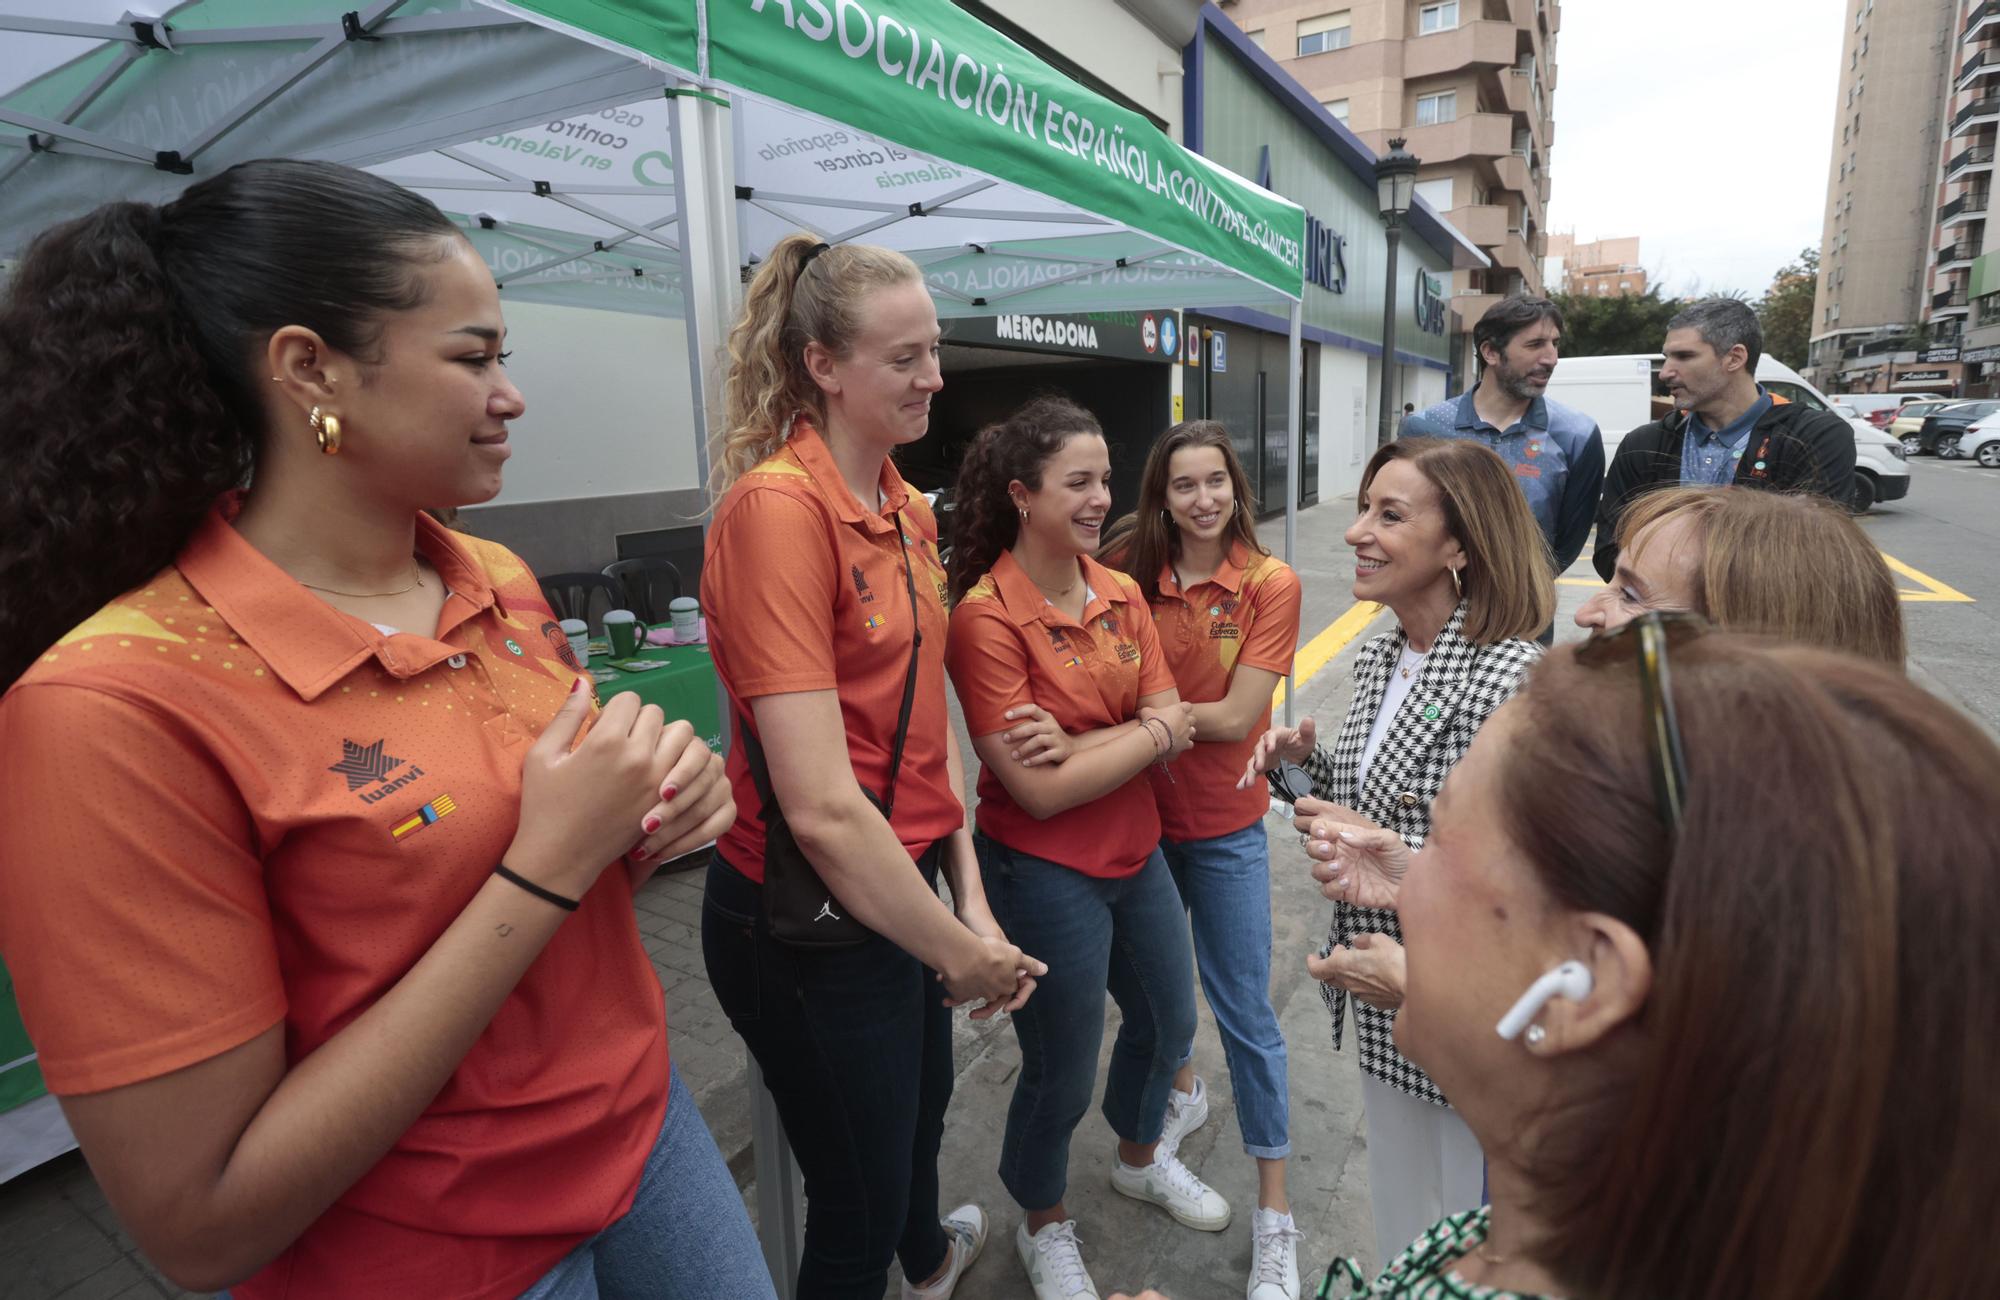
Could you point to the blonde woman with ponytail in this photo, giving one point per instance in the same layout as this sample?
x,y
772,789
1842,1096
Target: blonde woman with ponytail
x,y
820,558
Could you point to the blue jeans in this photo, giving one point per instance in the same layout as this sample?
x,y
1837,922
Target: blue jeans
x,y
686,1235
1126,937
1226,884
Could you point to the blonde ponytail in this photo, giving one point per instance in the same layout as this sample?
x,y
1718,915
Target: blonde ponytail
x,y
798,296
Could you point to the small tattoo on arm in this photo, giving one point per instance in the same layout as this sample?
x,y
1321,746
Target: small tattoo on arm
x,y
503,929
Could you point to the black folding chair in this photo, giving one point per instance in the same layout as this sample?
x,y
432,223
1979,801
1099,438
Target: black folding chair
x,y
650,583
571,595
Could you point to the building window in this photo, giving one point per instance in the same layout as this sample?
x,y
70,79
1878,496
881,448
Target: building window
x,y
1436,192
1337,107
1256,38
1433,109
1437,17
1327,32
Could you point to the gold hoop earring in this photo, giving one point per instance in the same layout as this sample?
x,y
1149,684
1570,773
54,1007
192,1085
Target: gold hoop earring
x,y
1457,587
326,428
1024,514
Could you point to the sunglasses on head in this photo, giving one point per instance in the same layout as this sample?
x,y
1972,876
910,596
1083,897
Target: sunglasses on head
x,y
1649,636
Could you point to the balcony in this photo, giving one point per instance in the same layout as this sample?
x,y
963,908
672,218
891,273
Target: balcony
x,y
1979,158
1981,112
1966,207
1483,43
1514,254
1956,258
1982,16
1485,224
1951,302
1980,63
1474,135
1471,306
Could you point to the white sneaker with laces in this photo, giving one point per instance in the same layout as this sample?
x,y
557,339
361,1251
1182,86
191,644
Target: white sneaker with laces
x,y
1186,1112
1054,1262
965,1228
1173,1187
1274,1257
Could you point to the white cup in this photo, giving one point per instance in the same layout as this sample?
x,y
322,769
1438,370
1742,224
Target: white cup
x,y
578,633
685,611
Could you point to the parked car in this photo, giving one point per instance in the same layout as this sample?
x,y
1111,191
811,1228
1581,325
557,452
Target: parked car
x,y
1876,408
1909,422
1620,393
1981,441
1942,427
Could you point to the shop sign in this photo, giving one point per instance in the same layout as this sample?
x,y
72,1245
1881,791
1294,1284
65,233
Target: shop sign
x,y
1980,354
1326,256
1910,378
1932,356
1129,335
1430,302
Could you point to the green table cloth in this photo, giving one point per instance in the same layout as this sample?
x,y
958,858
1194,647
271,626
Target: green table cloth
x,y
685,688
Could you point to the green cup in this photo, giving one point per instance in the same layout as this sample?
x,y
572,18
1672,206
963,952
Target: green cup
x,y
625,631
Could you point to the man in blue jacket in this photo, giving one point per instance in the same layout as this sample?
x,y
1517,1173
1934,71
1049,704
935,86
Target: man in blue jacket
x,y
1555,451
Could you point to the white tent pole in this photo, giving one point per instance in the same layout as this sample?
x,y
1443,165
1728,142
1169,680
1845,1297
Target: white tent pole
x,y
1294,460
705,184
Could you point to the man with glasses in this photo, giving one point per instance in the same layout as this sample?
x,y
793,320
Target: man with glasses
x,y
1724,427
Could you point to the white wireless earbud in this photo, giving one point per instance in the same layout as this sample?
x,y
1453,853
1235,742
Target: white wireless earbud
x,y
1570,980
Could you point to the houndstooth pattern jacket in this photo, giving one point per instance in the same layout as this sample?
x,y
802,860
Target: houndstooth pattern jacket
x,y
1458,689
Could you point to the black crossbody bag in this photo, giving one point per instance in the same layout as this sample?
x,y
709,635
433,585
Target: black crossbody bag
x,y
799,910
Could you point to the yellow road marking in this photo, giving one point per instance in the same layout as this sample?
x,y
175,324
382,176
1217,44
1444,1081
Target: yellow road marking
x,y
1933,589
1318,652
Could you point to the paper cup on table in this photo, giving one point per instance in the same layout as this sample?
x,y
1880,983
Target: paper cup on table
x,y
578,633
685,611
624,631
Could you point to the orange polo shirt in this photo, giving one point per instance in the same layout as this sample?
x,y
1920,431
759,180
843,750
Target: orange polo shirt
x,y
1246,613
1010,646
804,591
229,806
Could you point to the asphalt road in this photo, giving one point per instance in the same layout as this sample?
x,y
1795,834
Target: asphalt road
x,y
1948,530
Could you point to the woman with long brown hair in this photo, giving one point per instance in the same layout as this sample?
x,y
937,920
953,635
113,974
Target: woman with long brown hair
x,y
1071,850
1445,539
827,615
1227,612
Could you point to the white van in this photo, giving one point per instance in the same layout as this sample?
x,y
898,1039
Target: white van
x,y
1618,392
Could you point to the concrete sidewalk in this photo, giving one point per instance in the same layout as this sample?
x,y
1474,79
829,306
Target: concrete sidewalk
x,y
58,1238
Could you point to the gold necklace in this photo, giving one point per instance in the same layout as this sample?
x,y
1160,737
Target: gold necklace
x,y
1052,592
368,595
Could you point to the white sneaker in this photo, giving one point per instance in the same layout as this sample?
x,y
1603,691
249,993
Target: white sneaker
x,y
1274,1257
1173,1187
1054,1262
965,1227
1186,1112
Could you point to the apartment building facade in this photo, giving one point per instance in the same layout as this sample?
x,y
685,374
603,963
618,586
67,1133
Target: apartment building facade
x,y
1601,268
1469,84
1964,288
1873,312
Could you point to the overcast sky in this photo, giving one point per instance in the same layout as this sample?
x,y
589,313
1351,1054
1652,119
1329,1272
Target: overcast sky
x,y
1704,127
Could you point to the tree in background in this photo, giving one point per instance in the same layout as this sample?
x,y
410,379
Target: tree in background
x,y
1786,309
1617,324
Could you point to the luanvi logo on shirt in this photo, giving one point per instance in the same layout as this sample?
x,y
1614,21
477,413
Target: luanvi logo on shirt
x,y
861,584
361,764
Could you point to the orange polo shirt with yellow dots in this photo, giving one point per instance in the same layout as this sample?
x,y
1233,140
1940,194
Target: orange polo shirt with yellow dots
x,y
1010,646
804,591
230,806
1245,614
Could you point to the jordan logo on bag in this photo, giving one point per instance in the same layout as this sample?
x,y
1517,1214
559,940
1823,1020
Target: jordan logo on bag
x,y
826,912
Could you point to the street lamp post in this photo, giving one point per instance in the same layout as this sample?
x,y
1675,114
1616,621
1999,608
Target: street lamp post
x,y
1395,191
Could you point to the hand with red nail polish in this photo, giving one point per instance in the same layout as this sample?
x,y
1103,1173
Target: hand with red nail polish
x,y
695,804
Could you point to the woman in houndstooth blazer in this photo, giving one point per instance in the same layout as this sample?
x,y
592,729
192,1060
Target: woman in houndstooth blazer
x,y
1445,539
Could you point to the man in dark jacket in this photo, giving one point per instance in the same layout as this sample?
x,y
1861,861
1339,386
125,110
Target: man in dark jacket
x,y
1725,428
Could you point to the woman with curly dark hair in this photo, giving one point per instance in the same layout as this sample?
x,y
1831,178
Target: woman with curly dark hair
x,y
334,964
1070,851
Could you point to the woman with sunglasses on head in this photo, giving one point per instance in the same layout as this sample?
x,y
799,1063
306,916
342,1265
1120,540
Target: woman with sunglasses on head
x,y
1070,851
1790,565
1676,1102
1227,612
1444,539
316,861
827,616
